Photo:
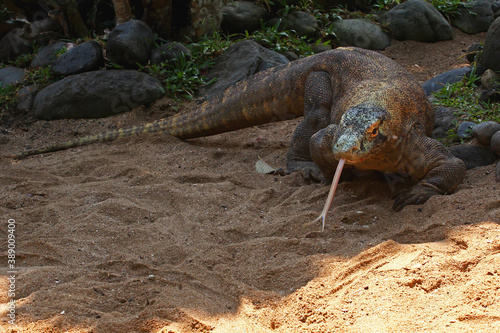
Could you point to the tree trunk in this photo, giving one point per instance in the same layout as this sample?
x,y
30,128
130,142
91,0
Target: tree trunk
x,y
122,11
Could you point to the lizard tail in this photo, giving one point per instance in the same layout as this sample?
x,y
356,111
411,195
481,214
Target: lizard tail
x,y
267,98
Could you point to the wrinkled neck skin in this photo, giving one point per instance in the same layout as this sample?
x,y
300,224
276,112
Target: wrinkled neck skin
x,y
366,139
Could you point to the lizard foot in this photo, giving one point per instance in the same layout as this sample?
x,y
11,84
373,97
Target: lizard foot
x,y
417,195
308,169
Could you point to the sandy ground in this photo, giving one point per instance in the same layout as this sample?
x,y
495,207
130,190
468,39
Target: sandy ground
x,y
153,234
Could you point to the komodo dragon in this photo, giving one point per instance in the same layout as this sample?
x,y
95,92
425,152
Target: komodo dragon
x,y
360,108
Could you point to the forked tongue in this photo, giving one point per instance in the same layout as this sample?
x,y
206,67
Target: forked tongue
x,y
329,200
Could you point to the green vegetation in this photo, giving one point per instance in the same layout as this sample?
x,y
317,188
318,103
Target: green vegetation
x,y
464,98
183,77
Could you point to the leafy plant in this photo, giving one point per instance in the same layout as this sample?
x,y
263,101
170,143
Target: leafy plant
x,y
281,41
463,97
450,8
8,96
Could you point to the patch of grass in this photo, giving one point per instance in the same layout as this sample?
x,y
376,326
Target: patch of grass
x,y
8,98
281,41
463,96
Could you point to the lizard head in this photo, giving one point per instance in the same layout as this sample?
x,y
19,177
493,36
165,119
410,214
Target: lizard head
x,y
364,131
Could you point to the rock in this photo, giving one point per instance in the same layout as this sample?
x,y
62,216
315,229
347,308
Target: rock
x,y
474,53
473,156
492,46
11,76
26,97
302,23
464,130
491,95
474,19
240,61
319,48
241,16
361,33
484,131
13,45
495,143
130,43
97,94
488,79
350,4
48,54
497,172
445,121
417,20
169,51
81,58
495,6
439,81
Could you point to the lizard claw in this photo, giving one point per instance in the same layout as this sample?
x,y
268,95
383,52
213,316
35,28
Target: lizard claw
x,y
417,195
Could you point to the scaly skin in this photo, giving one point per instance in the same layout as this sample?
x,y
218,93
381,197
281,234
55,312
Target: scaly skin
x,y
358,105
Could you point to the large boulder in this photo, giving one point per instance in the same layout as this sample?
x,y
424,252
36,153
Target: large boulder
x,y
491,51
240,61
361,33
241,16
475,18
82,58
130,43
97,94
417,20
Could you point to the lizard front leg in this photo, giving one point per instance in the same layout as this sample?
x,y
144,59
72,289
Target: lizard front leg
x,y
318,97
437,170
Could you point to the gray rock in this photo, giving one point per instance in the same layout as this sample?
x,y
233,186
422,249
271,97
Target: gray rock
x,y
474,19
319,48
495,143
484,131
439,81
496,8
417,20
488,79
13,45
302,23
491,95
464,130
361,33
97,94
11,76
492,46
351,4
241,16
48,54
240,61
26,98
474,53
169,51
445,121
473,156
81,58
130,43
497,172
